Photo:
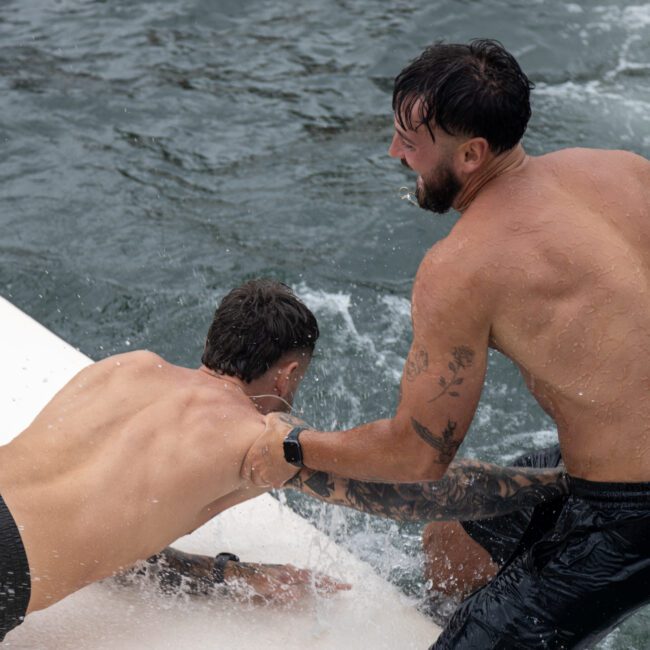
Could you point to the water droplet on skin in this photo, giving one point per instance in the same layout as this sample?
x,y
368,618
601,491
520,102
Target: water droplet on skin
x,y
117,363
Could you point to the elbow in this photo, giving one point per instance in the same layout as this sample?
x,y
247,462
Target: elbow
x,y
414,460
416,464
430,469
423,456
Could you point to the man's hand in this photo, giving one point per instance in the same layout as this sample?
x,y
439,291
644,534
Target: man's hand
x,y
277,584
174,572
264,464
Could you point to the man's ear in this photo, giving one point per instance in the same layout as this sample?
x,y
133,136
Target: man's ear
x,y
284,378
472,155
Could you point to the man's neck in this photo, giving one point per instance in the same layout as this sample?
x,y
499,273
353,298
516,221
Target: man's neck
x,y
498,166
258,391
226,381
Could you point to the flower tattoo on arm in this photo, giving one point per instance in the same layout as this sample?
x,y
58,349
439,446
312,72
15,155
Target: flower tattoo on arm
x,y
463,357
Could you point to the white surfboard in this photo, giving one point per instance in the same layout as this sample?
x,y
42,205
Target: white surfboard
x,y
34,364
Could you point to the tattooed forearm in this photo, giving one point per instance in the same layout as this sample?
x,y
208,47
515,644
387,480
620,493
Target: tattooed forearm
x,y
463,357
321,484
469,490
174,571
446,445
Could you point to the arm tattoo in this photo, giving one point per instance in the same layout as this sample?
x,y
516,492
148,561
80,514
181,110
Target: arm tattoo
x,y
320,483
416,363
469,490
447,446
293,421
174,571
463,358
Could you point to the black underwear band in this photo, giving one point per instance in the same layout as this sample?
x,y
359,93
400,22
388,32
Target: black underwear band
x,y
613,492
15,582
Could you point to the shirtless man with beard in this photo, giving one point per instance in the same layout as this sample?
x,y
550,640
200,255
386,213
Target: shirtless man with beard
x,y
549,263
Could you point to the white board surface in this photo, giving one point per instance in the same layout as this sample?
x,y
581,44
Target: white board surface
x,y
34,364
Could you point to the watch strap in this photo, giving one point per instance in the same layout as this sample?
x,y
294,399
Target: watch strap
x,y
219,567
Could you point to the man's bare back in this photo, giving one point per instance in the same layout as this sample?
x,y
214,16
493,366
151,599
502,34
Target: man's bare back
x,y
549,264
133,448
560,247
135,452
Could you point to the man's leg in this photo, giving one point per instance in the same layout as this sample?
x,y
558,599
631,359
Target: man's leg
x,y
455,565
460,557
570,588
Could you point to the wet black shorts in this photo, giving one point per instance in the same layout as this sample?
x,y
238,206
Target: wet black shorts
x,y
501,536
572,586
15,583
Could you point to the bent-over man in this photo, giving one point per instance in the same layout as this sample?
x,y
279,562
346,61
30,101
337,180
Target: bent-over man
x,y
135,452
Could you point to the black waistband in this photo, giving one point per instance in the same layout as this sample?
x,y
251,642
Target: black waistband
x,y
15,581
615,492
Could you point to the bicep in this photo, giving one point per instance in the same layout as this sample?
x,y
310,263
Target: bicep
x,y
445,368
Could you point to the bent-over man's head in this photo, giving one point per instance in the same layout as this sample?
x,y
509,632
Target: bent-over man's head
x,y
263,335
456,108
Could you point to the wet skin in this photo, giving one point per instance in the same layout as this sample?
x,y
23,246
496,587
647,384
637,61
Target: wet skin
x,y
550,264
130,455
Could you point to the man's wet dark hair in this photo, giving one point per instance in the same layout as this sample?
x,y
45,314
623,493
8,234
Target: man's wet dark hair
x,y
254,325
476,90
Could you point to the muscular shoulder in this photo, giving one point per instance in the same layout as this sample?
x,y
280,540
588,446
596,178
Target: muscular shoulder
x,y
456,278
136,359
138,362
610,164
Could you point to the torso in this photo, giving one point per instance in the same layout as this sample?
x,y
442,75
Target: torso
x,y
133,448
563,246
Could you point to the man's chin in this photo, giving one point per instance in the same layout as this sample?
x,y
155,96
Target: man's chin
x,y
426,202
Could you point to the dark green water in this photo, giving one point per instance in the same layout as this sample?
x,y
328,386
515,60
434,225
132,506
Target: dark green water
x,y
156,154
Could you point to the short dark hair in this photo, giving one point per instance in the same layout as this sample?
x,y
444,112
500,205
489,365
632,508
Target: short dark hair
x,y
477,90
254,325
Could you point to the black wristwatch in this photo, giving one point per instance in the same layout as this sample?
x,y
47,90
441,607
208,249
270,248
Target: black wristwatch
x,y
292,448
220,566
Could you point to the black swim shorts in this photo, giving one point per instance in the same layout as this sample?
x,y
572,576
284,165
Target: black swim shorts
x,y
572,586
15,583
501,536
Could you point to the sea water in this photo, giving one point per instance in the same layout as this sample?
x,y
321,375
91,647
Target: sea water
x,y
157,153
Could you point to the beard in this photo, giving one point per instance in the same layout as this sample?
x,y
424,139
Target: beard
x,y
437,193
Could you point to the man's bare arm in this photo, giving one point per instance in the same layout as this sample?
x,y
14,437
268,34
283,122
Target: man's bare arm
x,y
469,490
174,571
440,390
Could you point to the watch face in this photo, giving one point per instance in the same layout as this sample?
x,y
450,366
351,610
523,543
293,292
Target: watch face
x,y
292,452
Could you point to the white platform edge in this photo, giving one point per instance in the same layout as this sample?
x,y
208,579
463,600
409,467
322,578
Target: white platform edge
x,y
34,365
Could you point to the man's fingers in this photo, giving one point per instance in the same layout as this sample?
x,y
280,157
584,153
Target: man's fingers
x,y
326,585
